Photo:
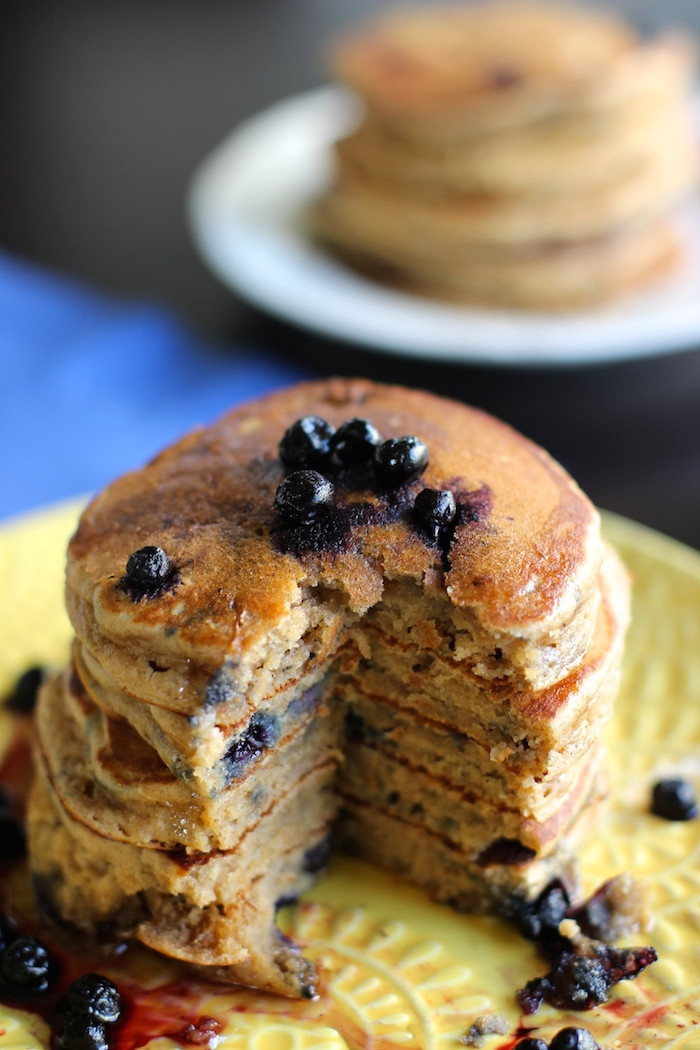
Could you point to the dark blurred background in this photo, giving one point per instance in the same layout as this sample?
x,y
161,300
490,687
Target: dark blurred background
x,y
108,106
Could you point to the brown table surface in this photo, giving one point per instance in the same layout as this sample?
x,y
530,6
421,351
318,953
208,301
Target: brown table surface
x,y
106,110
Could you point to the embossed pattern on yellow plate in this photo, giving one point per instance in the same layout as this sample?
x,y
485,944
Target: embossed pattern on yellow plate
x,y
401,971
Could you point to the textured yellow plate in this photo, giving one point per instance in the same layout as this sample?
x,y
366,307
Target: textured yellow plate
x,y
400,970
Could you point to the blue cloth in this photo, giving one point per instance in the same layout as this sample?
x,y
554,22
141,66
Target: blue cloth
x,y
91,387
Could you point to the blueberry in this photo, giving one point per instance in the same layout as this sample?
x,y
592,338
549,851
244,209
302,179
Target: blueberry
x,y
434,511
263,729
263,732
302,494
538,920
307,443
26,966
220,688
531,1043
573,1039
147,569
22,700
94,996
580,982
400,460
83,1033
355,442
674,799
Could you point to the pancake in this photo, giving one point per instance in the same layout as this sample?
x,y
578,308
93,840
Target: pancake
x,y
436,697
458,224
450,71
561,154
550,277
512,154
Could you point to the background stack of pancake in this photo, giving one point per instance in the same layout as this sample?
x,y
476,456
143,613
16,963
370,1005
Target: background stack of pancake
x,y
526,155
188,760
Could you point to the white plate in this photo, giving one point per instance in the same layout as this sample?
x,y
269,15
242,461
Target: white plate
x,y
246,205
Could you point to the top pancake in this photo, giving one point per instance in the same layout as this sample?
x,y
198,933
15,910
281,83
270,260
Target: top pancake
x,y
522,575
495,64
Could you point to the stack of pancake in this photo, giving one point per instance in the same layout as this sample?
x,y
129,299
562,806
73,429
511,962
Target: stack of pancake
x,y
445,694
527,155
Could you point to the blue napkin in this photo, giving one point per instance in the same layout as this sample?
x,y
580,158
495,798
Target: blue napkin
x,y
91,387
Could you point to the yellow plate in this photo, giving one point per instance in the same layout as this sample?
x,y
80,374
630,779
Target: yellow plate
x,y
404,972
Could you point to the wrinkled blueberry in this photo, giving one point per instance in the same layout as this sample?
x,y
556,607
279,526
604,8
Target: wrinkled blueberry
x,y
306,443
400,460
264,729
94,996
434,511
263,732
83,1033
22,700
302,494
539,919
579,982
355,442
147,569
531,1043
26,966
674,799
573,1039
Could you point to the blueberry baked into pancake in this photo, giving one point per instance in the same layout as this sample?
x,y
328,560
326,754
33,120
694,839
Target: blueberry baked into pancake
x,y
345,608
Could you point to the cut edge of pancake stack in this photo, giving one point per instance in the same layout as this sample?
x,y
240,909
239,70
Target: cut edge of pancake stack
x,y
526,155
445,691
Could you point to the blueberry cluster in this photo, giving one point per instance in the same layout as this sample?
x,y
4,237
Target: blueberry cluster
x,y
674,799
148,572
29,971
567,1039
93,1005
582,972
314,452
26,967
